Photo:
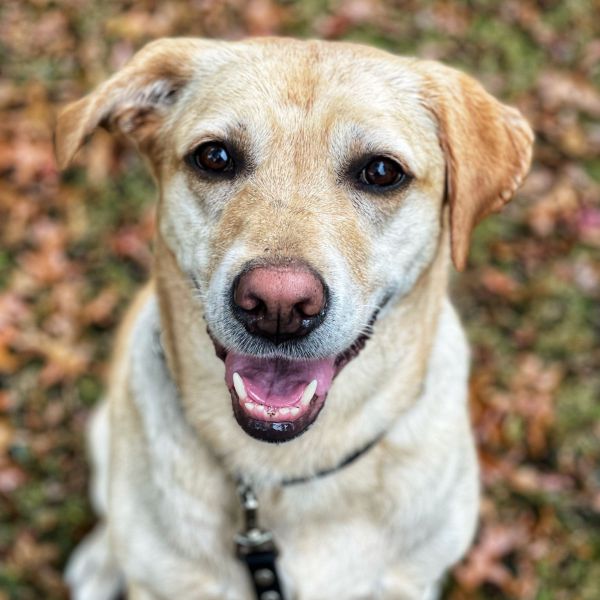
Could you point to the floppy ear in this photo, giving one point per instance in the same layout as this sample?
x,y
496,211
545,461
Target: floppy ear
x,y
134,100
487,147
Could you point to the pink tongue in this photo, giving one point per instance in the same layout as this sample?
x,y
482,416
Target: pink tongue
x,y
278,382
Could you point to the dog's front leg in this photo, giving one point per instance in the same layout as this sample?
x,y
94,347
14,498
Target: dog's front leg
x,y
92,572
212,591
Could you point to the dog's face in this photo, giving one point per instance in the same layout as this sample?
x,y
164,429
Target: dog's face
x,y
302,191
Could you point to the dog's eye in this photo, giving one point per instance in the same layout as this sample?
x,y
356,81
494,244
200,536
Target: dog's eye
x,y
213,157
382,172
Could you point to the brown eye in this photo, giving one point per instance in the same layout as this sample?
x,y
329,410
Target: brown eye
x,y
214,157
382,172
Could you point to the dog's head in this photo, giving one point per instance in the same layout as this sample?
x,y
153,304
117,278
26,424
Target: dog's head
x,y
302,189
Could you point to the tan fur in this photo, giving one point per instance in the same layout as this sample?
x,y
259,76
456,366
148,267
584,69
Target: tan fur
x,y
487,147
115,105
389,525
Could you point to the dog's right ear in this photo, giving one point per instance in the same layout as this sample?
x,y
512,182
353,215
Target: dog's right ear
x,y
135,100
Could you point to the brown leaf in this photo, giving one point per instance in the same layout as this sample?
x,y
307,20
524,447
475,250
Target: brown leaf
x,y
561,204
100,310
588,225
484,561
264,17
63,360
499,283
29,553
132,241
559,89
11,478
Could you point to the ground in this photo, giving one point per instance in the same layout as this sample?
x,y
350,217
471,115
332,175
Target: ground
x,y
74,248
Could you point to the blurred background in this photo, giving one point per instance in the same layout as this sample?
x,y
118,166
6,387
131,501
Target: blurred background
x,y
74,248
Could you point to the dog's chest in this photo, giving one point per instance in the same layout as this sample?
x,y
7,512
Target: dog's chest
x,y
332,547
341,552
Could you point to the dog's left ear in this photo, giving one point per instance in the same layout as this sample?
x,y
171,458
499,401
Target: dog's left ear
x,y
487,146
135,100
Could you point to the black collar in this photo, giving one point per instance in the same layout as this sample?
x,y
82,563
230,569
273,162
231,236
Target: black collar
x,y
347,461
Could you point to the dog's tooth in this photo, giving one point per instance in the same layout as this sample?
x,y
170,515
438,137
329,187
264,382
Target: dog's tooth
x,y
238,384
284,411
260,408
294,410
309,392
249,406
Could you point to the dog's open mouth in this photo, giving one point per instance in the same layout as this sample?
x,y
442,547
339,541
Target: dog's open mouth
x,y
277,399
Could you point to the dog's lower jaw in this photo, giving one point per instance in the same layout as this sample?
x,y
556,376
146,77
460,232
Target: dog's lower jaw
x,y
276,431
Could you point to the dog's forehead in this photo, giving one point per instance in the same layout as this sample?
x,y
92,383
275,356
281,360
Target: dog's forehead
x,y
301,85
299,72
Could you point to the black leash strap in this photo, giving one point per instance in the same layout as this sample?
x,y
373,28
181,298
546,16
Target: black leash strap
x,y
256,548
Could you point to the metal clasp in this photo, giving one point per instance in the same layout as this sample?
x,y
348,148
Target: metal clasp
x,y
252,538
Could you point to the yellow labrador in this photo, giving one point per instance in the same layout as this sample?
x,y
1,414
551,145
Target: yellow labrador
x,y
296,344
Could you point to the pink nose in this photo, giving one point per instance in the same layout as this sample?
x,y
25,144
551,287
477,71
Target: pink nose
x,y
279,302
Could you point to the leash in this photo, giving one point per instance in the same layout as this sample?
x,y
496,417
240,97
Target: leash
x,y
256,547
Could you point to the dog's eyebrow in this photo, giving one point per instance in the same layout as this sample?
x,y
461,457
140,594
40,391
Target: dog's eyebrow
x,y
220,129
359,140
206,135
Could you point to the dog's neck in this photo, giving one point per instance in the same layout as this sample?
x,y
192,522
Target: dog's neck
x,y
404,333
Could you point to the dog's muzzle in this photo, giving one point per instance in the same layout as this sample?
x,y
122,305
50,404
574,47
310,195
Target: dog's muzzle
x,y
276,398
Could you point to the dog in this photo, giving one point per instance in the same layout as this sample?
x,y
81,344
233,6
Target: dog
x,y
296,353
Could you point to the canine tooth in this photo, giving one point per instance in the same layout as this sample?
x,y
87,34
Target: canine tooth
x,y
249,406
260,408
284,411
294,410
240,389
309,392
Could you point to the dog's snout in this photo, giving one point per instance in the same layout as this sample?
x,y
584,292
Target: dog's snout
x,y
279,302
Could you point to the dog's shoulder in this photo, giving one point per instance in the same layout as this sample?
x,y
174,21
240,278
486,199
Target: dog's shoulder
x,y
137,311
